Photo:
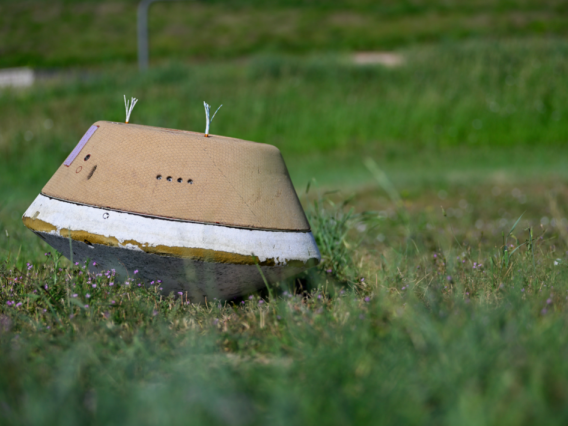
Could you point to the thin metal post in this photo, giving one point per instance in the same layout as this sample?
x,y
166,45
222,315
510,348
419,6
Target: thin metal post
x,y
143,34
143,55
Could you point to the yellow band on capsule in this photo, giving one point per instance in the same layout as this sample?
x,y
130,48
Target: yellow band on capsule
x,y
205,255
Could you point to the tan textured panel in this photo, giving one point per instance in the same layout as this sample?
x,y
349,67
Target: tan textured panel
x,y
235,182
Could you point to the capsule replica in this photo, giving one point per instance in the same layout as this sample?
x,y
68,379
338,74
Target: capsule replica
x,y
211,217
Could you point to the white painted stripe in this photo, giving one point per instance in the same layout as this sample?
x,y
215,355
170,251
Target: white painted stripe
x,y
282,246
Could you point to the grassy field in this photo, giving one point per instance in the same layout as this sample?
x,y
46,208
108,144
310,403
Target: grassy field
x,y
414,317
442,295
63,33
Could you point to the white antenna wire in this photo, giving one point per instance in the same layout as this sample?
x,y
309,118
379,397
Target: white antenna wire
x,y
129,105
207,119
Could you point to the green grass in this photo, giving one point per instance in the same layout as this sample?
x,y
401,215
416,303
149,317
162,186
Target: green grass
x,y
491,94
100,33
437,324
468,95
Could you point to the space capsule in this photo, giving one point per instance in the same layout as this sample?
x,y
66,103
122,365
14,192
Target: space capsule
x,y
207,216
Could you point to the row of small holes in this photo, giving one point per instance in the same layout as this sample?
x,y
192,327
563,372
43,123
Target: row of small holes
x,y
169,178
180,180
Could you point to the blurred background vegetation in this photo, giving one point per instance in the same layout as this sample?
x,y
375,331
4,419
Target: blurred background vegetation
x,y
77,32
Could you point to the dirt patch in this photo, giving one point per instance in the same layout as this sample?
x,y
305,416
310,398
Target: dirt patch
x,y
388,59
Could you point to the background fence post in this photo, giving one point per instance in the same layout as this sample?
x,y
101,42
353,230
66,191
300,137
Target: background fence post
x,y
143,49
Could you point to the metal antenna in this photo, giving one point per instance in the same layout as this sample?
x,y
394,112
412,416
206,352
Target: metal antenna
x,y
207,119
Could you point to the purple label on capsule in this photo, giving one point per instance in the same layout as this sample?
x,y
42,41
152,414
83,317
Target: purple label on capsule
x,y
80,145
